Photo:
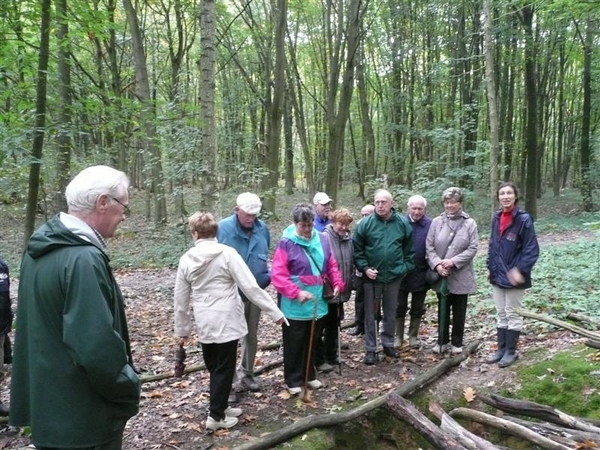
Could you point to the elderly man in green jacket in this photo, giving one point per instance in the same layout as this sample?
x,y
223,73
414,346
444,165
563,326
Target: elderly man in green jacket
x,y
73,379
384,253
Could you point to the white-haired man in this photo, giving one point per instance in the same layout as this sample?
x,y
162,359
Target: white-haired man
x,y
73,379
383,252
250,237
414,282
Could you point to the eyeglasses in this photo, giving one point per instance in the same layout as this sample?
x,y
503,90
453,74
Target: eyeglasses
x,y
126,211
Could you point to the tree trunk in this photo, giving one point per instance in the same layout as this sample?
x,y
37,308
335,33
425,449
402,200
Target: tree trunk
x,y
65,125
587,179
148,115
492,103
279,10
531,134
40,122
337,121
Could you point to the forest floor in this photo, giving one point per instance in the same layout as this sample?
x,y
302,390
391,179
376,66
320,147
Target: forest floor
x,y
173,410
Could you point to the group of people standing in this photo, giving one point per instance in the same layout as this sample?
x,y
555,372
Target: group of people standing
x,y
71,331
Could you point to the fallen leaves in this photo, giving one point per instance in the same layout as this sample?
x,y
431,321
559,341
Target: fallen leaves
x,y
469,394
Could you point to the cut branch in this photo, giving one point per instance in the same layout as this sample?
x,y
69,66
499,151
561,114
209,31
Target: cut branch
x,y
507,427
465,437
543,412
559,323
405,411
557,433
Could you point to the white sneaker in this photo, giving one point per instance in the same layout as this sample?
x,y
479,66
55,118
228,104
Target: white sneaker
x,y
294,390
439,350
226,422
315,384
456,350
233,412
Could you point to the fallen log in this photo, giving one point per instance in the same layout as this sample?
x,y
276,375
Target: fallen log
x,y
325,420
543,412
583,319
559,323
593,344
462,435
556,432
507,427
405,411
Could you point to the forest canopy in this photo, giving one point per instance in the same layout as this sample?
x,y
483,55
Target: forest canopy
x,y
274,96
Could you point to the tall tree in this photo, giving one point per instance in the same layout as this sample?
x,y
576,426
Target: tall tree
x,y
148,116
586,179
337,115
40,121
491,95
531,133
63,160
208,144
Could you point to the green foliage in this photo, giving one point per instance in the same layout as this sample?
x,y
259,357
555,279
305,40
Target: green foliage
x,y
568,381
567,278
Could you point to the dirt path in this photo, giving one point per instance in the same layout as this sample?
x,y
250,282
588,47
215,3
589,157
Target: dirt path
x,y
173,411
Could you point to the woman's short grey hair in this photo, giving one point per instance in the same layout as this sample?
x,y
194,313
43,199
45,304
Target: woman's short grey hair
x,y
453,193
83,190
303,212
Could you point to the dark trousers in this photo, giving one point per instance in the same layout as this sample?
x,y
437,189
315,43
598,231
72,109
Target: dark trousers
x,y
296,340
220,362
114,444
386,295
417,304
359,303
327,345
457,305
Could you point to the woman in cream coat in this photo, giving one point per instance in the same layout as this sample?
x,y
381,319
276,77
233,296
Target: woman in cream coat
x,y
451,246
208,277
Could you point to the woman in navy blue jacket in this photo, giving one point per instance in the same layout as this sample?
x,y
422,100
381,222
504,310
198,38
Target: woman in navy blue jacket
x,y
512,252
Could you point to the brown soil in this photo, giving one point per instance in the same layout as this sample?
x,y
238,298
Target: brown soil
x,y
173,411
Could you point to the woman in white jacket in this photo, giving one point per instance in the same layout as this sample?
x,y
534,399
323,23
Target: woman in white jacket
x,y
208,277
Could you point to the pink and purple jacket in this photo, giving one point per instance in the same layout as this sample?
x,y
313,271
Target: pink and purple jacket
x,y
293,271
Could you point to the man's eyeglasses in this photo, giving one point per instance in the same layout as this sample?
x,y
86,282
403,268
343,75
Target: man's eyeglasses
x,y
126,210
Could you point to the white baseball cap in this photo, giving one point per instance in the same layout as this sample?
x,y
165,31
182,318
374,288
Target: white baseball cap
x,y
321,198
249,203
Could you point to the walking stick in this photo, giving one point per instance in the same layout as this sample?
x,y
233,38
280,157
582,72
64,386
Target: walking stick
x,y
339,338
306,394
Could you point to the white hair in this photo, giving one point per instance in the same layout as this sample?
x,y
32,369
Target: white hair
x,y
417,198
83,190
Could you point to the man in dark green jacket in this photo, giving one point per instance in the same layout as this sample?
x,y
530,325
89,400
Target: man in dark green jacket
x,y
73,379
384,253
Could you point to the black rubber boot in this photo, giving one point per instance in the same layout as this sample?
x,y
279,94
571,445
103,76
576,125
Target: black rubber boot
x,y
501,347
511,355
413,332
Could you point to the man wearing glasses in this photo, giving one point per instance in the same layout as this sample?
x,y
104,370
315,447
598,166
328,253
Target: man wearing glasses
x,y
73,379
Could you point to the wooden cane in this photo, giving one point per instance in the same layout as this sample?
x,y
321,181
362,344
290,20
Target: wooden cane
x,y
306,394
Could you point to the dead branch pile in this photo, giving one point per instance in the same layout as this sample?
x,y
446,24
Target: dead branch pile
x,y
552,429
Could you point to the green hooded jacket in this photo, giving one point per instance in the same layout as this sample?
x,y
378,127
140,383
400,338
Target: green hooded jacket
x,y
73,379
386,245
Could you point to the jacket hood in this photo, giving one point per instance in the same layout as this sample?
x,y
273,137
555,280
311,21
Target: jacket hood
x,y
332,234
50,236
203,253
